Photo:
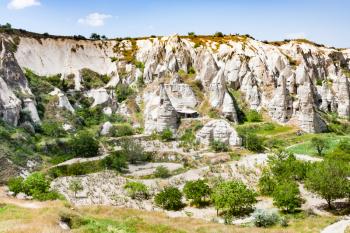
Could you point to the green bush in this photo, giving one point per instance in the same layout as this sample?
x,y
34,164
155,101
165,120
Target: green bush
x,y
91,79
169,199
320,144
197,191
75,186
137,190
267,182
166,135
253,116
122,129
52,128
219,146
264,218
116,161
219,34
133,151
123,91
233,197
253,142
188,139
162,172
85,145
286,196
15,184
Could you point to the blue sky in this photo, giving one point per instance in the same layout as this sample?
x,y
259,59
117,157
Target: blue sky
x,y
323,21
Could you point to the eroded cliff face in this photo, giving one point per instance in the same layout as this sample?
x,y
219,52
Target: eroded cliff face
x,y
295,82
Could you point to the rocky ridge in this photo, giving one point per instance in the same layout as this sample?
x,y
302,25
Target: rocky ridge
x,y
295,82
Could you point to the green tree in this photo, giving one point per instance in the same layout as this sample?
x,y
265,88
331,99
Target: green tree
x,y
169,198
267,182
116,161
133,151
36,183
320,144
75,186
85,145
196,191
137,190
219,34
286,196
95,36
233,197
327,179
123,91
253,142
162,172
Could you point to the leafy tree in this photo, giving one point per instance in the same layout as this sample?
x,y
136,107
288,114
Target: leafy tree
x,y
267,182
95,36
85,145
15,184
219,34
327,179
133,151
191,34
166,135
286,196
169,198
36,183
162,172
137,190
75,186
219,146
196,191
233,197
320,144
116,161
253,142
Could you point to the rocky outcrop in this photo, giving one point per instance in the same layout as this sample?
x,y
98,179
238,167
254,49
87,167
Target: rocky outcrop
x,y
293,81
219,130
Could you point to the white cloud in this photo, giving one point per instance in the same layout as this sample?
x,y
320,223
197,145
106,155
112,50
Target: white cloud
x,y
20,4
94,19
295,35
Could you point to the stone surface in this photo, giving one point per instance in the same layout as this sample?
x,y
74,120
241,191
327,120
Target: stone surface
x,y
218,130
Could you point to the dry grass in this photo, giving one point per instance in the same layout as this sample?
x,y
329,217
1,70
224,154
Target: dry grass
x,y
45,220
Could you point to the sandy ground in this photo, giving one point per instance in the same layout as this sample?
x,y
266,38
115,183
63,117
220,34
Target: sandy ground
x,y
338,227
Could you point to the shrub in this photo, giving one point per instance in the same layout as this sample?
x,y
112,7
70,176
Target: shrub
x,y
52,128
85,145
133,151
123,91
75,186
91,79
219,146
219,34
188,139
320,144
233,197
166,135
253,116
267,182
162,172
196,191
137,190
286,196
169,199
253,142
116,161
191,34
264,218
36,183
15,184
123,129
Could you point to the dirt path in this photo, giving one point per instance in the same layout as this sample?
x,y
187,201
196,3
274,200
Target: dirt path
x,y
338,227
4,198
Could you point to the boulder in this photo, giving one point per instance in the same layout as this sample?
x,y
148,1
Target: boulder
x,y
219,130
105,129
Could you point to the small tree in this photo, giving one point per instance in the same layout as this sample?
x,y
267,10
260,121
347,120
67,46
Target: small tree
x,y
219,34
75,186
85,145
116,161
15,184
169,198
320,144
133,151
191,34
95,36
162,172
327,179
233,197
36,183
267,182
137,190
286,196
196,191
